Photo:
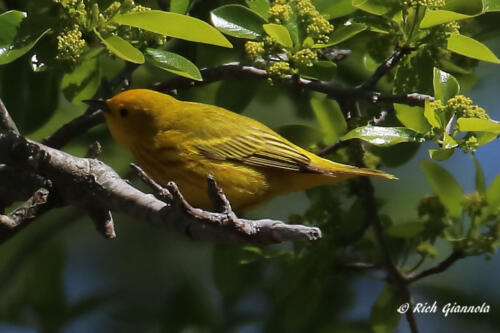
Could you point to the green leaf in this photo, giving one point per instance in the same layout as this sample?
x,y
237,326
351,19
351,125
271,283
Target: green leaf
x,y
471,48
83,82
173,63
323,70
449,142
493,193
301,135
405,230
468,7
478,125
384,136
444,186
441,154
279,33
479,179
179,6
412,117
436,17
491,5
445,85
375,7
174,25
334,9
330,118
370,63
121,48
13,42
430,115
238,21
261,7
485,137
343,33
384,317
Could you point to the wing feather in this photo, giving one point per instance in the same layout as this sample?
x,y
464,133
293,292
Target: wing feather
x,y
257,148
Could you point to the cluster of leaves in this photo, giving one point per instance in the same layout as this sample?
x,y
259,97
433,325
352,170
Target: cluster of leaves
x,y
126,30
285,36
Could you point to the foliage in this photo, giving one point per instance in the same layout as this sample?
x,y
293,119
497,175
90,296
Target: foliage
x,y
71,47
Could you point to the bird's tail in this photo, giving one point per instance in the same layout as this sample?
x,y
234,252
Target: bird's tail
x,y
343,170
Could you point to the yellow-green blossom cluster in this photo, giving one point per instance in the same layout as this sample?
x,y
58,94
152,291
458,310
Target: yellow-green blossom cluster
x,y
278,70
84,19
462,106
280,11
426,250
431,206
254,50
433,4
473,203
318,27
75,9
71,45
304,58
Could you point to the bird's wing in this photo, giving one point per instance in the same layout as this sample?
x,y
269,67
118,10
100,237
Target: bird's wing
x,y
257,148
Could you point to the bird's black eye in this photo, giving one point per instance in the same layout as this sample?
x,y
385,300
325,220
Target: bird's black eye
x,y
123,112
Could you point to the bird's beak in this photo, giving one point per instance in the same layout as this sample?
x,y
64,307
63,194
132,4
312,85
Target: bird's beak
x,y
97,104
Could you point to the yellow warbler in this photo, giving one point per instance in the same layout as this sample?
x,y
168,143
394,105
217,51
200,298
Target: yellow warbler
x,y
185,142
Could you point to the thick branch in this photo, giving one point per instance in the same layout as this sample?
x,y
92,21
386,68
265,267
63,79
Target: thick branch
x,y
90,183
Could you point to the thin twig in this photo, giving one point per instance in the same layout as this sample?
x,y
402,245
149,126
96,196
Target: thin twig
x,y
6,122
237,71
385,67
440,267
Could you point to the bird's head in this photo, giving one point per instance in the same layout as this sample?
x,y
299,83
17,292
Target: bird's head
x,y
136,114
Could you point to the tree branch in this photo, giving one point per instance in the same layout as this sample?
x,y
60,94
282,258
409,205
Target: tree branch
x,y
237,71
385,67
440,267
90,183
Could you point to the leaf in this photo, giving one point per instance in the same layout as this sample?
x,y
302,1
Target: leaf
x,y
235,95
174,25
301,135
478,125
375,7
405,230
334,9
121,48
279,33
479,179
330,118
445,85
430,115
323,70
444,186
173,63
84,80
436,17
13,43
441,154
471,48
384,136
261,7
370,63
468,7
343,33
493,193
491,5
412,117
384,317
179,6
238,21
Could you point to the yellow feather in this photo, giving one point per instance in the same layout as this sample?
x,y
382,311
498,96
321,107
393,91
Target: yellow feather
x,y
185,142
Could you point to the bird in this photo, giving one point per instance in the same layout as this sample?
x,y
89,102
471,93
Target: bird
x,y
186,142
